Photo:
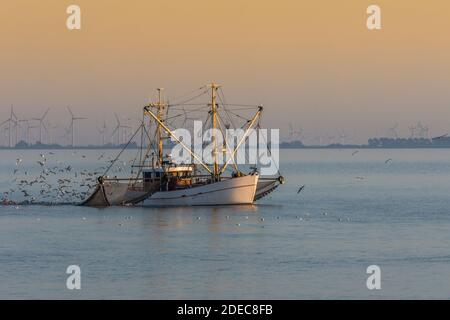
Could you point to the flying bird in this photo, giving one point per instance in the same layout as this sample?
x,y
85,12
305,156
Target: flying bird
x,y
301,189
388,160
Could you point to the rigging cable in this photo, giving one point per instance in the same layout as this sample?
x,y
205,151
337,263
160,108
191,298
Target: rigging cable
x,y
121,151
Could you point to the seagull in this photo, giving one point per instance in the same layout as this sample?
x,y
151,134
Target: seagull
x,y
388,160
355,152
301,189
26,194
18,161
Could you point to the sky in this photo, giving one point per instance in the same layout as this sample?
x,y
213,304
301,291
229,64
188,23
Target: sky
x,y
313,64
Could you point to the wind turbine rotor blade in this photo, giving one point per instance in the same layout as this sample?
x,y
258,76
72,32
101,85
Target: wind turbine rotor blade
x,y
13,114
70,111
45,114
115,130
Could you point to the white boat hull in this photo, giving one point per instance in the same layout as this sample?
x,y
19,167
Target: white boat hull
x,y
240,190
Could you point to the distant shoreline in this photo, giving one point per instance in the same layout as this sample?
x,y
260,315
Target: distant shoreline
x,y
345,147
373,143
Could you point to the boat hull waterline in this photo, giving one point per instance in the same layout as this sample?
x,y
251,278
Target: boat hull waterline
x,y
233,191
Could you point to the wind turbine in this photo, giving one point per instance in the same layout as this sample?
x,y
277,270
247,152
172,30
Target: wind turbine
x,y
50,129
10,121
41,124
5,132
412,129
6,128
426,129
72,124
342,136
130,132
102,132
294,133
331,138
423,130
27,132
117,129
66,135
393,131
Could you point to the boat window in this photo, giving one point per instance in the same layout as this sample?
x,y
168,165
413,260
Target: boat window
x,y
147,176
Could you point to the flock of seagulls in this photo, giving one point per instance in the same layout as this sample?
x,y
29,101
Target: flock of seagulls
x,y
51,181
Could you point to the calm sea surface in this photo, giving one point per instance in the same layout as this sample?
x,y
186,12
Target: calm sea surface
x,y
355,211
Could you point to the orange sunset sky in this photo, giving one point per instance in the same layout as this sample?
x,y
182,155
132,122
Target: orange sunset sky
x,y
310,63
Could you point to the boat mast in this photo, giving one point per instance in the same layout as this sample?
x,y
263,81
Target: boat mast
x,y
155,117
214,87
160,105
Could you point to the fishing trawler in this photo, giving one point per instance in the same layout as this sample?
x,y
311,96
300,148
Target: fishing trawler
x,y
160,181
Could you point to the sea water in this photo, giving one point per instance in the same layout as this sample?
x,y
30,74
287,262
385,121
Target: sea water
x,y
356,210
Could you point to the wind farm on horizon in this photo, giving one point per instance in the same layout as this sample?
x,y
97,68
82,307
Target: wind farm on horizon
x,y
40,132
